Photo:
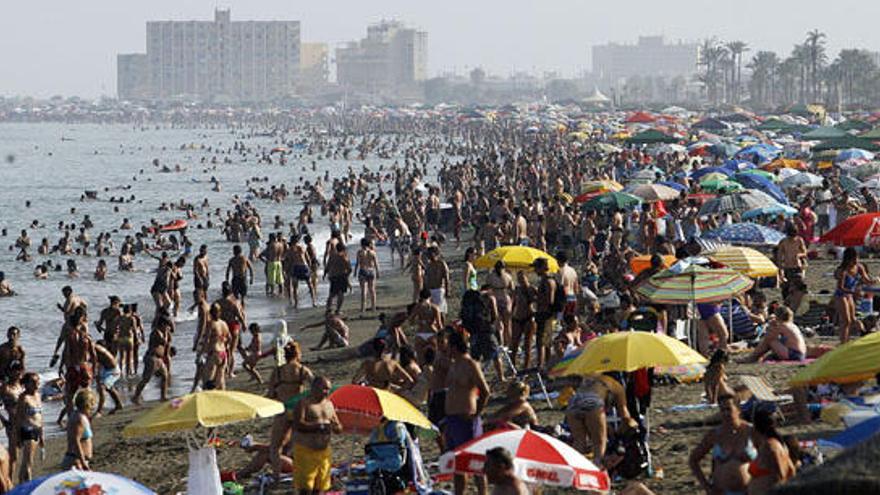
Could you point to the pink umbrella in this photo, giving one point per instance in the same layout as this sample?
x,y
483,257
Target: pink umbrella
x,y
537,458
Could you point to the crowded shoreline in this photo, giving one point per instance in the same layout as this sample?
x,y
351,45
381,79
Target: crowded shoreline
x,y
413,207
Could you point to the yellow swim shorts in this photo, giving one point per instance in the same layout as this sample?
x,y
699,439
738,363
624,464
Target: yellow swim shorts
x,y
311,468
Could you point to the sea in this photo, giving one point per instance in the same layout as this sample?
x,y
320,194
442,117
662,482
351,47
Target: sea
x,y
51,166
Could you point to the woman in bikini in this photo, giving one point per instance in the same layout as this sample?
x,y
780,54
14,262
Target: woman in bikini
x,y
218,345
28,425
470,273
501,283
773,464
79,432
523,318
416,272
731,448
585,412
849,275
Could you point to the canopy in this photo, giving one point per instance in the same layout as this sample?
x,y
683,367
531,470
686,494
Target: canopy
x,y
360,409
823,133
753,181
654,192
601,186
537,458
745,260
208,409
804,180
641,263
772,210
854,361
853,154
846,142
640,118
711,125
720,185
857,230
702,172
630,351
693,284
76,482
652,136
746,234
612,201
737,201
515,258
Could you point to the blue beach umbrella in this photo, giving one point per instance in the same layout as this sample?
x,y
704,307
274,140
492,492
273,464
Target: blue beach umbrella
x,y
763,184
746,234
772,210
854,154
71,482
696,174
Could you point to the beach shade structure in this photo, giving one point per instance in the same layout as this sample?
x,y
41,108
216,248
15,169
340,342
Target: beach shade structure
x,y
641,263
873,134
852,471
854,125
674,185
652,136
747,261
77,482
670,148
724,150
857,230
693,284
746,234
360,409
775,125
823,133
630,351
854,361
866,170
783,163
772,211
804,180
612,201
851,185
760,153
760,173
735,166
854,154
846,142
853,435
537,458
601,186
710,124
753,181
640,118
700,173
653,192
646,176
515,258
208,409
721,185
738,201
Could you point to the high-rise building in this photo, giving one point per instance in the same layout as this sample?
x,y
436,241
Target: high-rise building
x,y
222,59
651,56
391,58
132,76
314,66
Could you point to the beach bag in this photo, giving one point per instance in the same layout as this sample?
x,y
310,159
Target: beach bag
x,y
203,477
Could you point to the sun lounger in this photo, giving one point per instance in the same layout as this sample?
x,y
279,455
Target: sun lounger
x,y
763,392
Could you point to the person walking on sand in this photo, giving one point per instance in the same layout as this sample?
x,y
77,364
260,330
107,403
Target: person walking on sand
x,y
242,272
201,272
437,278
27,426
314,422
107,376
367,269
791,256
297,269
338,269
79,433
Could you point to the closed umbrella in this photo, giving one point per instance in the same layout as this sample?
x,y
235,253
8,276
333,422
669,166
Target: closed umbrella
x,y
746,234
854,361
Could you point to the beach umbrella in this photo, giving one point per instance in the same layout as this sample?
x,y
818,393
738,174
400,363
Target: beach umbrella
x,y
721,185
693,284
641,263
857,230
738,201
854,154
724,150
601,186
208,409
745,260
360,408
671,148
772,210
850,185
652,136
653,192
640,118
76,482
674,185
761,173
762,153
515,258
612,201
854,361
630,351
752,181
712,177
866,170
646,176
804,179
746,234
738,165
698,174
537,458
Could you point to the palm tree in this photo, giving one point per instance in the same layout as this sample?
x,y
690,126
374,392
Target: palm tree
x,y
765,70
711,55
736,49
815,44
801,56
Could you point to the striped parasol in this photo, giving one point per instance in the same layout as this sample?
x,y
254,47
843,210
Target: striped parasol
x,y
693,284
747,261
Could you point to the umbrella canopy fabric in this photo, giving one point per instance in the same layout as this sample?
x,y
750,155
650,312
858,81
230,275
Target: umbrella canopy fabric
x,y
854,361
654,192
746,234
693,284
823,133
652,136
858,230
207,409
805,180
515,258
674,185
612,200
641,263
85,482
721,185
738,201
630,351
846,142
698,174
854,154
760,153
601,186
763,173
537,458
752,181
772,210
360,409
745,260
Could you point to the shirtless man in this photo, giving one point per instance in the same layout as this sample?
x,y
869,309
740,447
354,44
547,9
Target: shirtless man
x,y
499,473
232,313
337,269
783,339
5,286
314,421
71,302
201,274
437,385
466,398
792,258
273,255
78,360
567,278
437,278
108,323
367,269
520,228
381,370
297,269
156,357
239,267
23,243
108,374
428,320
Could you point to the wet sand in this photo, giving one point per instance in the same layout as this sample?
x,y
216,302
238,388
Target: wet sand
x,y
161,462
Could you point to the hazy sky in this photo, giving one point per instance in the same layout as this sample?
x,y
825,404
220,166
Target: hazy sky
x,y
68,47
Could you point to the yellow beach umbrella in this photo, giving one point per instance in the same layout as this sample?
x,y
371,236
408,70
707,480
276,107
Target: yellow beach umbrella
x,y
360,408
602,186
630,351
854,361
747,261
516,258
208,409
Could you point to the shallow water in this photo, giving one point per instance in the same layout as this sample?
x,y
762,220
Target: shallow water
x,y
53,174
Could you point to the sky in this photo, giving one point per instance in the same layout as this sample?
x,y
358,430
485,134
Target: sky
x,y
63,47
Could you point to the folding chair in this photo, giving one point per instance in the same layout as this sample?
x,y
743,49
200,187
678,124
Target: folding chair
x,y
521,374
763,392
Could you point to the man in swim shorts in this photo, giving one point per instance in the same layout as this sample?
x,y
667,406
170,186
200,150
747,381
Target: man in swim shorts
x,y
314,421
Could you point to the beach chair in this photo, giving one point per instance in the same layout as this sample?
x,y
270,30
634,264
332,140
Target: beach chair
x,y
764,393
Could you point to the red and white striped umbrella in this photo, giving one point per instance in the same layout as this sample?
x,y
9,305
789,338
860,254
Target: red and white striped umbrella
x,y
537,458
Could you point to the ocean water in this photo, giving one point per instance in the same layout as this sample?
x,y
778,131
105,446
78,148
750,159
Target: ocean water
x,y
51,165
